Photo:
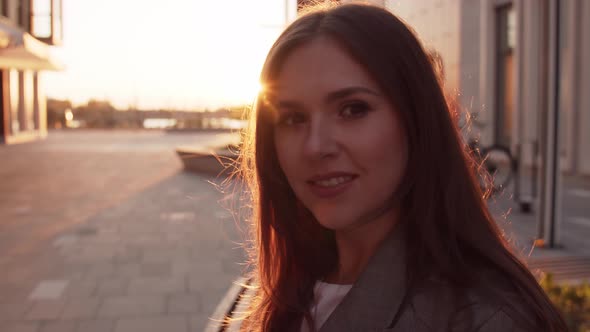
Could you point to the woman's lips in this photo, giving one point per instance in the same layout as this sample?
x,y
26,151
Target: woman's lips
x,y
328,186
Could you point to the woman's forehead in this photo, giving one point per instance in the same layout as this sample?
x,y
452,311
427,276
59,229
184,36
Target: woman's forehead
x,y
320,65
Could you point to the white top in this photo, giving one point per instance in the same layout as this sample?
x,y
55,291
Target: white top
x,y
326,298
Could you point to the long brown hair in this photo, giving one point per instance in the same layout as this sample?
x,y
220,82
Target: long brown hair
x,y
449,229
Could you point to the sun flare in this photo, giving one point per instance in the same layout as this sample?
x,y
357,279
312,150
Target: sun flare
x,y
198,56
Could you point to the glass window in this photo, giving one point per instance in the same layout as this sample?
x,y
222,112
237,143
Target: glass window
x,y
57,21
42,7
46,20
41,18
511,28
41,27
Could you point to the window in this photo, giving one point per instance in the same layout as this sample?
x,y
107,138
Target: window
x,y
4,8
46,20
57,21
41,19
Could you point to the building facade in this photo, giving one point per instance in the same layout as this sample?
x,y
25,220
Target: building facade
x,y
498,57
28,28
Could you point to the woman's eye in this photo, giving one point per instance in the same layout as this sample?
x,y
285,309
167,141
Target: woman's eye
x,y
354,110
291,118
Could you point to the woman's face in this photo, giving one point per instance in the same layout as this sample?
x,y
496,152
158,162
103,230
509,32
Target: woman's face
x,y
339,141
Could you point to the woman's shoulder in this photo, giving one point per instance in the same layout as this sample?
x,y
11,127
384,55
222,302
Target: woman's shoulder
x,y
491,303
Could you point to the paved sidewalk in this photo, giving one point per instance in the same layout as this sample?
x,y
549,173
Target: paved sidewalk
x,y
569,262
116,237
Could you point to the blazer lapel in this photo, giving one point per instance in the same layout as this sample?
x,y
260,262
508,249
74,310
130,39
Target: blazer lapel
x,y
375,298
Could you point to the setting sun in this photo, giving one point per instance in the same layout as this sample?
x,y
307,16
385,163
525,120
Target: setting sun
x,y
180,54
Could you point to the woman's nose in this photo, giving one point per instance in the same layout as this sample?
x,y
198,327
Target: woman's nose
x,y
320,141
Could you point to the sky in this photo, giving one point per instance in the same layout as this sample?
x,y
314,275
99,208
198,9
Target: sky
x,y
174,54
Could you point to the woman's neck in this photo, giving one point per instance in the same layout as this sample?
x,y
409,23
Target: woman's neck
x,y
358,244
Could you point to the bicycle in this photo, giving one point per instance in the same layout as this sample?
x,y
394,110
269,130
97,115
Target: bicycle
x,y
495,163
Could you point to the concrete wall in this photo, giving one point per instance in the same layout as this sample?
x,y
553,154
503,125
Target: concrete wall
x,y
437,24
569,97
12,11
469,55
583,137
530,70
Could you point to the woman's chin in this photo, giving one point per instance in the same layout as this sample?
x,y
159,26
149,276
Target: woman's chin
x,y
334,224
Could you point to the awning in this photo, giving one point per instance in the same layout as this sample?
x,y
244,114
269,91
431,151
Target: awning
x,y
20,50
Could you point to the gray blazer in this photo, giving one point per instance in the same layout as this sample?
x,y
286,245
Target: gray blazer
x,y
378,302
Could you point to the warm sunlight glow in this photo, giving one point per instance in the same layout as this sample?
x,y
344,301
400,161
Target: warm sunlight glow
x,y
257,88
178,54
69,115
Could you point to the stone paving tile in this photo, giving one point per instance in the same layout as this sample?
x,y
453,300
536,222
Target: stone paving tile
x,y
75,271
206,280
103,239
98,325
19,327
49,290
45,309
198,322
160,269
211,293
112,286
66,242
121,306
94,251
15,292
80,308
154,246
184,303
157,286
14,310
100,269
127,256
140,227
142,241
73,258
152,324
58,326
130,270
80,288
158,256
181,268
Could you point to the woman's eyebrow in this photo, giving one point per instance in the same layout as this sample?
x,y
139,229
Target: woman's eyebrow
x,y
331,97
345,92
272,99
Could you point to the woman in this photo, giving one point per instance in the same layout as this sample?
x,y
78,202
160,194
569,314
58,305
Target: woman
x,y
366,212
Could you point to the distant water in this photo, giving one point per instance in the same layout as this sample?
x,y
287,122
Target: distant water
x,y
224,123
208,123
132,141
